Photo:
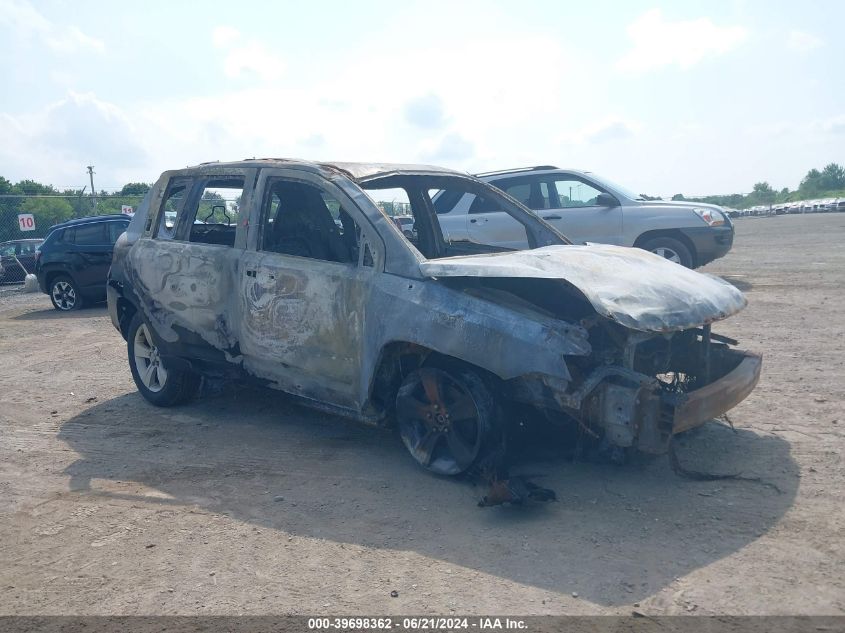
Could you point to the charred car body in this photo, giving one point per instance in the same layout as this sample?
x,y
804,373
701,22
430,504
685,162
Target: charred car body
x,y
286,272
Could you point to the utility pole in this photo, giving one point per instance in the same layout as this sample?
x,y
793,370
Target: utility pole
x,y
93,191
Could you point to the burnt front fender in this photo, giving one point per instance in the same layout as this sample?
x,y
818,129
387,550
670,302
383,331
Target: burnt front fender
x,y
503,340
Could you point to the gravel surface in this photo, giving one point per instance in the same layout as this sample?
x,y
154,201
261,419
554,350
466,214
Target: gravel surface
x,y
245,503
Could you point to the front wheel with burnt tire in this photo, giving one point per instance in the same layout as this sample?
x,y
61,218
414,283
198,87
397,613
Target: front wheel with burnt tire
x,y
669,248
448,419
160,385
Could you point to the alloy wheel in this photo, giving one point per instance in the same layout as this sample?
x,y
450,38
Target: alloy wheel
x,y
148,361
667,253
439,421
64,295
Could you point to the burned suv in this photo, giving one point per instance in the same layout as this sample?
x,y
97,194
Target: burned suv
x,y
287,273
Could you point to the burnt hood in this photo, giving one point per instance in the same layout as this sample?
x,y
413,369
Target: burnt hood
x,y
639,290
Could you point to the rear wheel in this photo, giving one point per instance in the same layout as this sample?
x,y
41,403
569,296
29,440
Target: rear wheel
x,y
161,385
448,419
669,248
64,294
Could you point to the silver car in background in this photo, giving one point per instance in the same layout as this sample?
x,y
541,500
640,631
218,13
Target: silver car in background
x,y
587,208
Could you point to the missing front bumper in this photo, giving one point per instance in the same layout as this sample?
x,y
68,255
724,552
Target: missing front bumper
x,y
720,396
631,409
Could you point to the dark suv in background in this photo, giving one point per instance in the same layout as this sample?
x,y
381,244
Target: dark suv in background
x,y
73,262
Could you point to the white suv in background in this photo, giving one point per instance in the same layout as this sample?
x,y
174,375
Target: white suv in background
x,y
586,208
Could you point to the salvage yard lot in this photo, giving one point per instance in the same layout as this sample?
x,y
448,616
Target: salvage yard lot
x,y
247,503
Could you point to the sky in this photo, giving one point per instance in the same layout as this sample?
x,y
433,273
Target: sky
x,y
675,97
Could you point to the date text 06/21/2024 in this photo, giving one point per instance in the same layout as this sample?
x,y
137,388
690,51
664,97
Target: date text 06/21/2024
x,y
416,623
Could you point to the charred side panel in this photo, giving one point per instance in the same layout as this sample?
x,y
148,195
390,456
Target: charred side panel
x,y
503,340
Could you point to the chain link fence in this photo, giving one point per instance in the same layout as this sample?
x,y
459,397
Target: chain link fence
x,y
25,220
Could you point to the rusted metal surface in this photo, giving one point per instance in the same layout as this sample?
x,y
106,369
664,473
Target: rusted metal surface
x,y
363,171
719,396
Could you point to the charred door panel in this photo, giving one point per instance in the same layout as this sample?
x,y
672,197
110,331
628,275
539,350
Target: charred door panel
x,y
302,323
303,285
182,269
187,292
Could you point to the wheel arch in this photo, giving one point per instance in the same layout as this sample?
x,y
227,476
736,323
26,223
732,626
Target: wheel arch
x,y
399,358
50,277
126,309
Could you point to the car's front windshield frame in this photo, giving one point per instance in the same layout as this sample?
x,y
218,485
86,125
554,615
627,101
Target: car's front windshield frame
x,y
612,186
538,232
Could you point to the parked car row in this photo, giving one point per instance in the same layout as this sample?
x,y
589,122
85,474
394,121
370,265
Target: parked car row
x,y
827,205
318,293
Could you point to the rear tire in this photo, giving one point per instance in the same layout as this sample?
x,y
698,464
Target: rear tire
x,y
160,385
669,248
64,294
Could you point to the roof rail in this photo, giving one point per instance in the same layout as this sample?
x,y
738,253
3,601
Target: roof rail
x,y
516,170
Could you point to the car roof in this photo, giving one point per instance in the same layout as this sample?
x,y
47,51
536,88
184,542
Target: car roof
x,y
524,171
91,218
354,171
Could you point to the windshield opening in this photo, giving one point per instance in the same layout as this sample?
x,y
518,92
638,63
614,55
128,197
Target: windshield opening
x,y
434,237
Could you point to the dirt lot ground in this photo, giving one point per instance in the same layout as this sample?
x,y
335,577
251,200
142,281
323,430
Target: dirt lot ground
x,y
247,503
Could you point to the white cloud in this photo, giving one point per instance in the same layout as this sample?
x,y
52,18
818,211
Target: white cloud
x,y
605,130
224,35
55,143
610,130
803,42
658,42
452,148
425,111
313,140
25,21
329,113
469,110
832,125
252,59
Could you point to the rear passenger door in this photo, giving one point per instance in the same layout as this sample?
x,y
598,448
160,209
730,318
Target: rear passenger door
x,y
90,253
187,262
488,224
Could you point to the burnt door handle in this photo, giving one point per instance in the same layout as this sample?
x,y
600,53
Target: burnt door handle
x,y
250,273
473,221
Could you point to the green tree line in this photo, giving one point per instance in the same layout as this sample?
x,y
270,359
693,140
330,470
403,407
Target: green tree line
x,y
50,205
827,183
